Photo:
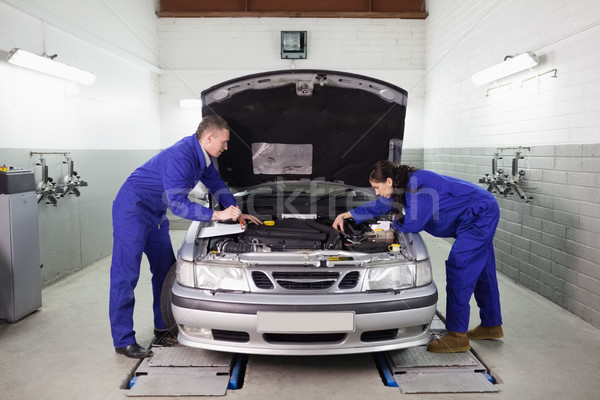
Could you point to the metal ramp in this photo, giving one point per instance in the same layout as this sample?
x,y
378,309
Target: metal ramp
x,y
176,370
184,371
418,371
415,370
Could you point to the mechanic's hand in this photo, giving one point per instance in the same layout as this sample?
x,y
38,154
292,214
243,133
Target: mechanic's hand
x,y
248,217
338,223
230,213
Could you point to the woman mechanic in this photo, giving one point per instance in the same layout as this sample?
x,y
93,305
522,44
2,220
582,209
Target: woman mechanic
x,y
445,207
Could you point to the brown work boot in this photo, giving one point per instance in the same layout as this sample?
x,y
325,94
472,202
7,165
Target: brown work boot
x,y
452,342
486,332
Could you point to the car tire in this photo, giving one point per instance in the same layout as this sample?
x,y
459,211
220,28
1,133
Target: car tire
x,y
165,301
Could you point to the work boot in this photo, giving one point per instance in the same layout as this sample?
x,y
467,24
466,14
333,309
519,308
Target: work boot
x,y
486,332
452,342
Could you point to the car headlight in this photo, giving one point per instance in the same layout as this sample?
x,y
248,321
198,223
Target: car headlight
x,y
218,276
395,277
390,277
185,273
424,274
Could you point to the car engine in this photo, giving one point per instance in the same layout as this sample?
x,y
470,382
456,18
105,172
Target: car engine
x,y
294,234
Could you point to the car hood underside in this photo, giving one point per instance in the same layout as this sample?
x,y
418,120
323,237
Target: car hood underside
x,y
306,124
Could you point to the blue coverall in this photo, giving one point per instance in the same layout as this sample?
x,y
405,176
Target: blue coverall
x,y
140,225
448,207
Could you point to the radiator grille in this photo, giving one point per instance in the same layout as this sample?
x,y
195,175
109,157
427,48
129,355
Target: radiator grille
x,y
310,280
261,280
350,280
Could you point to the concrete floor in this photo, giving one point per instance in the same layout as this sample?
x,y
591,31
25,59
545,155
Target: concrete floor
x,y
64,350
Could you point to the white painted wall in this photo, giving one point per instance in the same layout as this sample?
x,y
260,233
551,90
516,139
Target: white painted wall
x,y
113,39
116,40
198,53
467,36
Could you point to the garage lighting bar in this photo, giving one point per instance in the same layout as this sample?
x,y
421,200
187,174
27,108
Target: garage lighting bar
x,y
190,103
510,66
48,66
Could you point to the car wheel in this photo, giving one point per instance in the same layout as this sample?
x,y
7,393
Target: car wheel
x,y
165,301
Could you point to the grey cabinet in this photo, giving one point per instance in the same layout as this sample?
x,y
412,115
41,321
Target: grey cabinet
x,y
20,275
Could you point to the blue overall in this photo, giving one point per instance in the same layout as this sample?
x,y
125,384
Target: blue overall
x,y
140,225
448,207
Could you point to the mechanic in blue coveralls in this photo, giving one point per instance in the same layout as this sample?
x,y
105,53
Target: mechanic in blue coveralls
x,y
140,224
445,207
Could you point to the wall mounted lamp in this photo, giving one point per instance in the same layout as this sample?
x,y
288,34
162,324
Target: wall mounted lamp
x,y
47,65
508,67
293,44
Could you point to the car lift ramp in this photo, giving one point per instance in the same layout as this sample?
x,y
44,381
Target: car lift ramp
x,y
416,370
176,370
183,371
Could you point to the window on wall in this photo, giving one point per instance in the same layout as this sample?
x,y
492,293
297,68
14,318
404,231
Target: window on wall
x,y
407,9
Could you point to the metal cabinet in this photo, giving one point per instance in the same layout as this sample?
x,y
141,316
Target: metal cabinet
x,y
20,275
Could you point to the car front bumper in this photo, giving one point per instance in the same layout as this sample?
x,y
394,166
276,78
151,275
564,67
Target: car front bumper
x,y
295,324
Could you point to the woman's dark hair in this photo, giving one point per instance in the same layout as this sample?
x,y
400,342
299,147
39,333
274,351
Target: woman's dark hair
x,y
384,169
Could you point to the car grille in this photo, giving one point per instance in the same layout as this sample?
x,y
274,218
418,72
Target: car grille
x,y
261,280
378,336
304,337
230,336
306,280
350,280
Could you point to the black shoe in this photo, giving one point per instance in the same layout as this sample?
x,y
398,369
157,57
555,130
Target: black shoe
x,y
134,351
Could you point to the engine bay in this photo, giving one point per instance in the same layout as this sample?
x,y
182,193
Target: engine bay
x,y
295,234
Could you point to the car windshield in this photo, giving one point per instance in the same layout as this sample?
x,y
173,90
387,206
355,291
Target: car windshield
x,y
310,198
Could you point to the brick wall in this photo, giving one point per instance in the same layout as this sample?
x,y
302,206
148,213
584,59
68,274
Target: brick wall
x,y
532,108
550,245
198,53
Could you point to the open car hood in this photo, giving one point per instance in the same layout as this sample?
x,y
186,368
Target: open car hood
x,y
307,124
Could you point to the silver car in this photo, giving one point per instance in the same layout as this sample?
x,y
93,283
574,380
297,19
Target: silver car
x,y
302,144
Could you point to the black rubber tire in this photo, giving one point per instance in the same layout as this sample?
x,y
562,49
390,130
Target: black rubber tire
x,y
165,301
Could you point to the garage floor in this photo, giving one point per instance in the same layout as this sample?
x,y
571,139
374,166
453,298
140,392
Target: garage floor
x,y
64,350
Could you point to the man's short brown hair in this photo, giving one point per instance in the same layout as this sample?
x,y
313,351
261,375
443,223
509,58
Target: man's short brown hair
x,y
211,122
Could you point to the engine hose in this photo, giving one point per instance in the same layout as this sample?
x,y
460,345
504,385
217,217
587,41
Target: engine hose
x,y
333,236
233,247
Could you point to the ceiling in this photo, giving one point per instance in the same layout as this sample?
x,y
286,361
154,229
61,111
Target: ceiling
x,y
404,9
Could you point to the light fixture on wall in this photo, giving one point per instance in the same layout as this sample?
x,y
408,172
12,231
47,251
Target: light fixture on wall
x,y
190,103
510,66
47,65
293,44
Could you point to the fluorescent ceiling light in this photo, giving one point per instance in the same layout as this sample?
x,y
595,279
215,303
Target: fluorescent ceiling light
x,y
510,66
46,65
190,103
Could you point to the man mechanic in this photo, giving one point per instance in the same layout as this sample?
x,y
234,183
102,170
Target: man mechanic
x,y
140,224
